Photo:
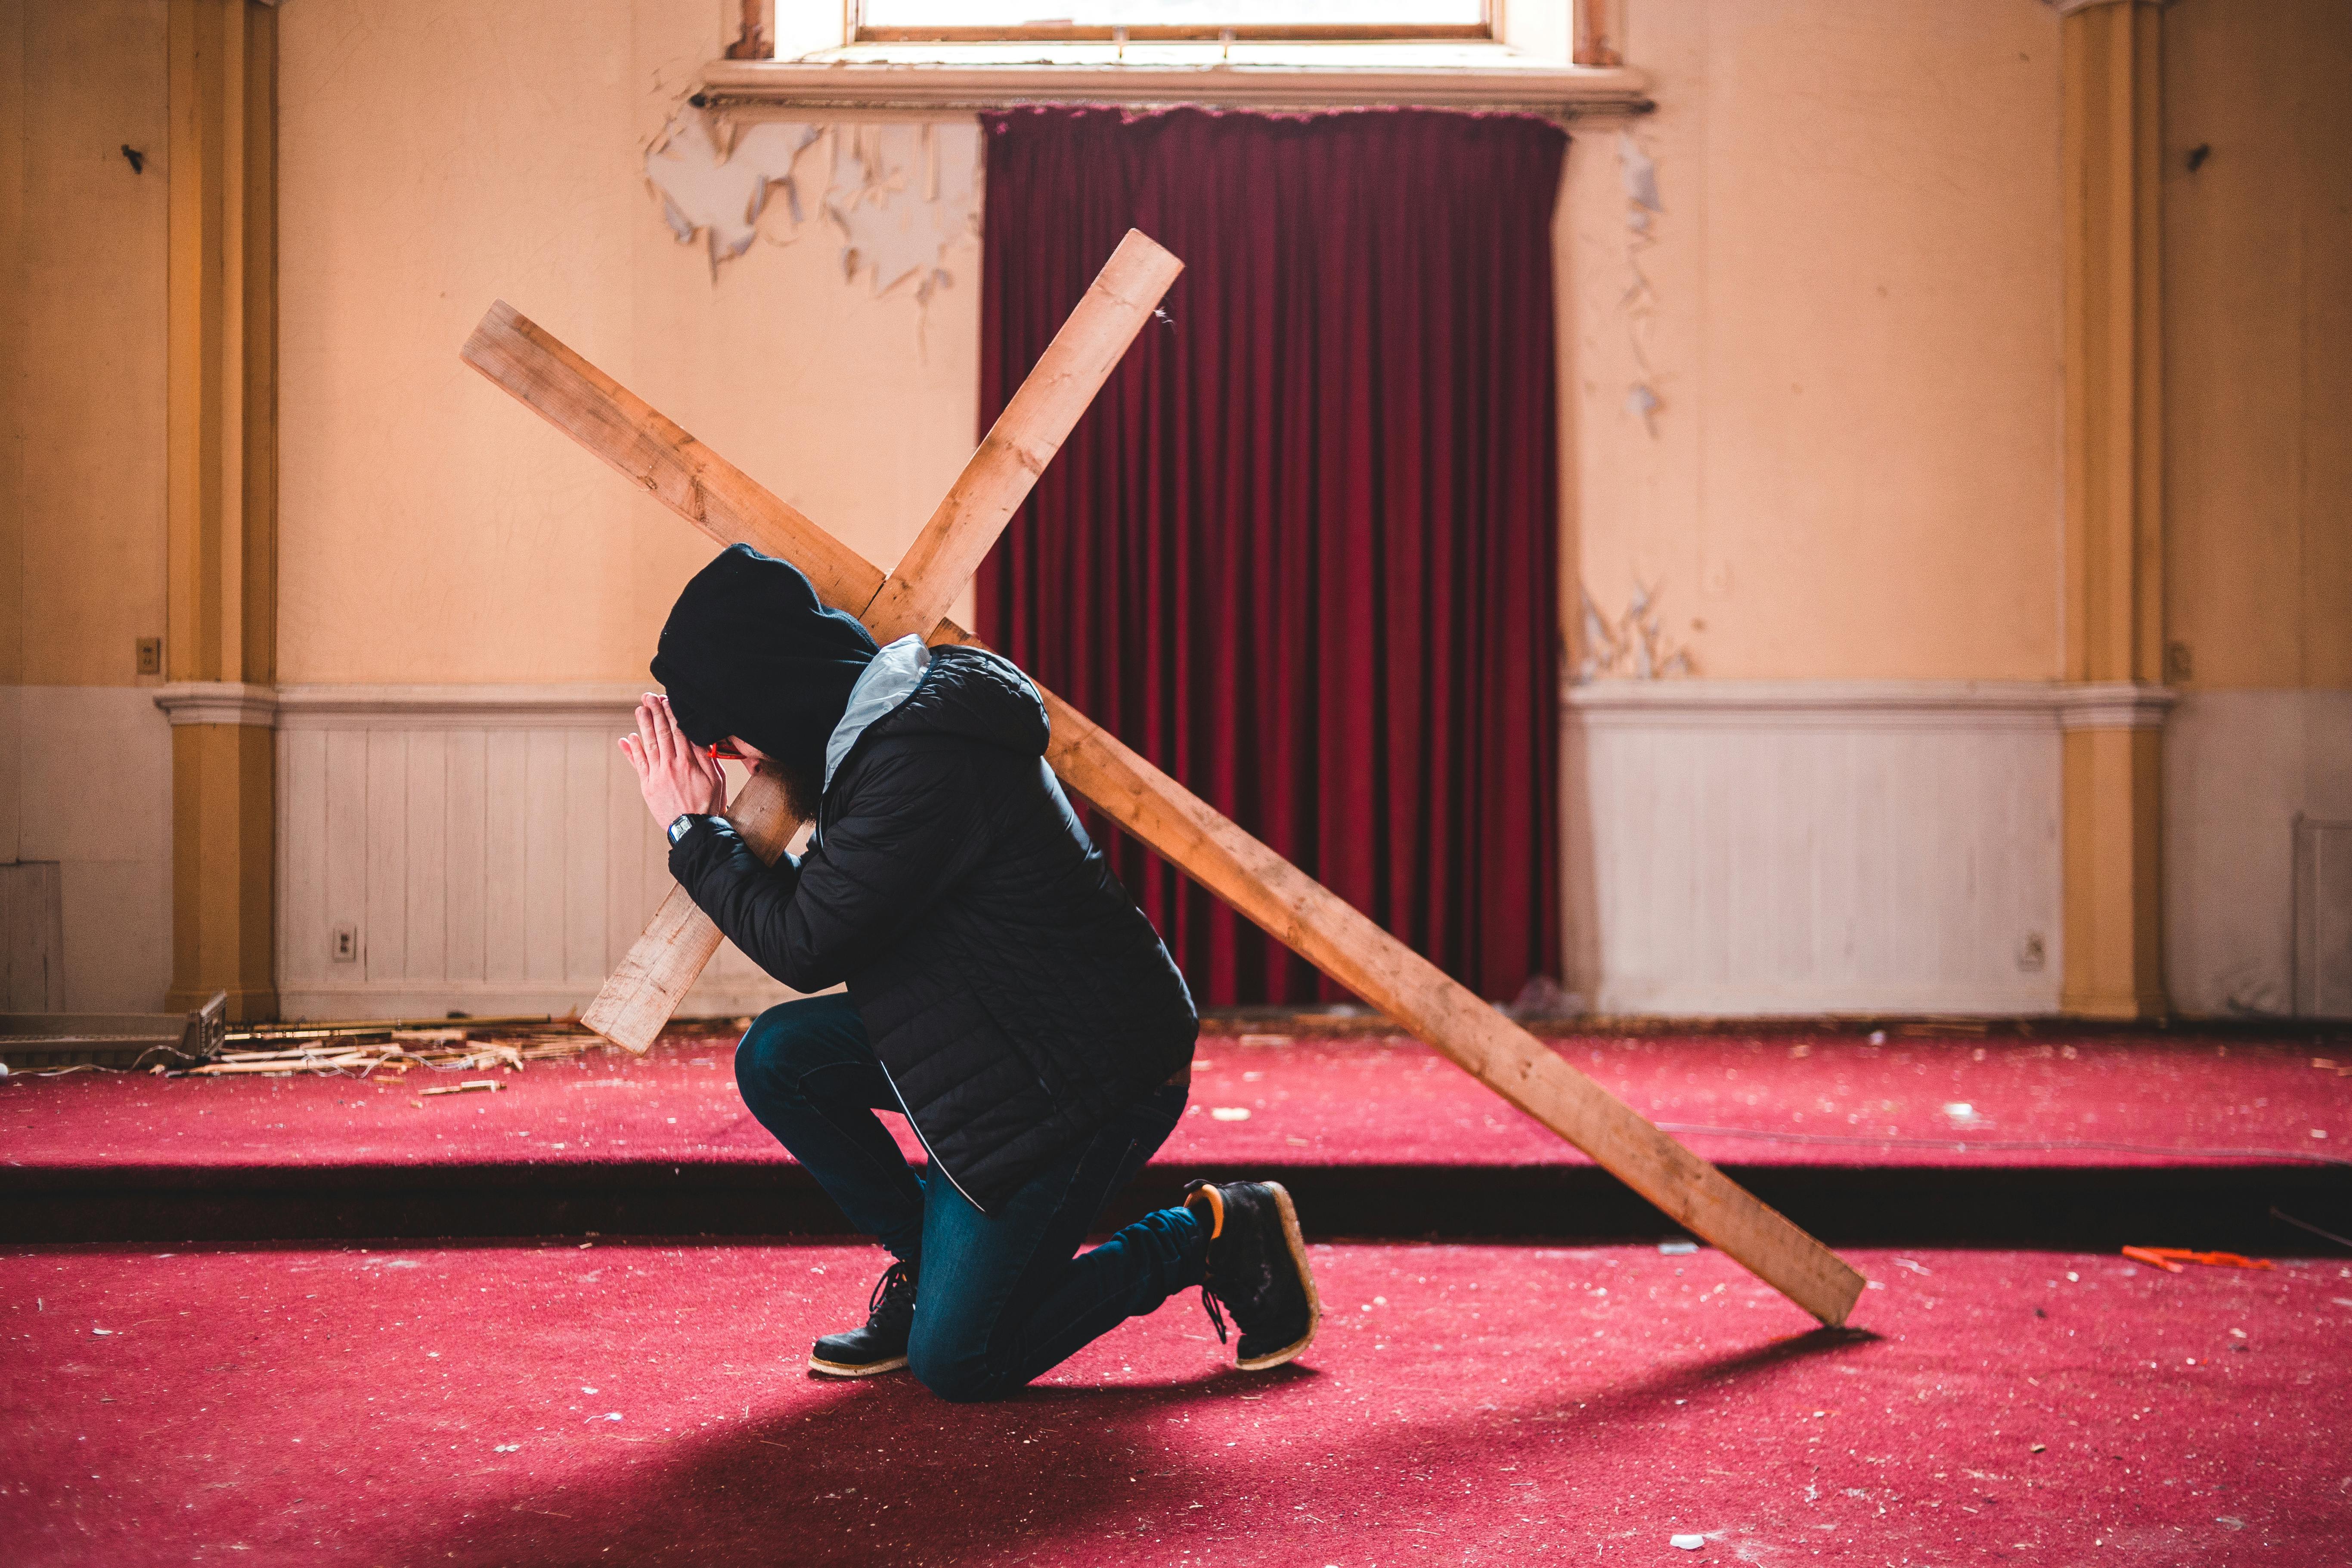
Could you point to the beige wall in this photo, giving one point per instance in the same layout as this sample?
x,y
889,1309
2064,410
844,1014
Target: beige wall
x,y
1851,319
1837,215
85,759
85,254
2258,342
1852,324
436,156
2257,257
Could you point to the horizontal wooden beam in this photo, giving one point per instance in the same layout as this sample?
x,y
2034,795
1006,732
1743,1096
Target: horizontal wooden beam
x,y
645,991
1295,910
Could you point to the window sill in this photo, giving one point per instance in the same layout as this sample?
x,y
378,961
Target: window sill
x,y
1258,76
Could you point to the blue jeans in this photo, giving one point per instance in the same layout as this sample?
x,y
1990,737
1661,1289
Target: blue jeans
x,y
1001,1298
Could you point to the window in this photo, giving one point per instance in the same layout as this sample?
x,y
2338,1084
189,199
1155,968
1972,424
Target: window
x,y
976,21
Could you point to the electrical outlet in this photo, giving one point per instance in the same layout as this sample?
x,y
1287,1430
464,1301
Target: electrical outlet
x,y
2179,664
150,656
346,949
2032,954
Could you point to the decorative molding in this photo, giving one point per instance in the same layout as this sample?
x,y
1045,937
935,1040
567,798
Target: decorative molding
x,y
220,493
2111,161
2116,705
568,706
1832,704
933,84
218,702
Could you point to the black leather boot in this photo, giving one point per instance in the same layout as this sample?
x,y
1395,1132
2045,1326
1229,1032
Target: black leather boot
x,y
1257,1269
881,1345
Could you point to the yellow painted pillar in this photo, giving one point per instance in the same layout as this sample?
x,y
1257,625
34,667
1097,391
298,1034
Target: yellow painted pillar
x,y
2114,511
220,642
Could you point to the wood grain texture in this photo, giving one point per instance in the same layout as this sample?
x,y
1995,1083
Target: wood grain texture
x,y
659,456
1024,439
643,994
1346,945
1295,909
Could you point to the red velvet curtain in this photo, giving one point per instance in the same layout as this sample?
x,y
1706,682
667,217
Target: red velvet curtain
x,y
1301,552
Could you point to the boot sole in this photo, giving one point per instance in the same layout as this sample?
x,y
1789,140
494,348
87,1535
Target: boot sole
x,y
1297,1245
843,1369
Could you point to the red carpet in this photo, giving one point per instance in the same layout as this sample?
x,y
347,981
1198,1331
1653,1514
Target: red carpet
x,y
1493,1405
1828,1101
2091,1142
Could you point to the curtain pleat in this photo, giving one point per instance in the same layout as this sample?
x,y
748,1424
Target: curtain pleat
x,y
1302,551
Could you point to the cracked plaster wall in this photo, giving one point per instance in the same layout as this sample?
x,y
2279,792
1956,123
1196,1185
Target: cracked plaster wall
x,y
1813,402
895,198
1846,194
1849,330
436,155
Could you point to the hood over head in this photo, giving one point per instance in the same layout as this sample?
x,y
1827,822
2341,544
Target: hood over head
x,y
968,694
750,650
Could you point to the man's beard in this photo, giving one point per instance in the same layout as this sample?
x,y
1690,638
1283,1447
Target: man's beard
x,y
803,786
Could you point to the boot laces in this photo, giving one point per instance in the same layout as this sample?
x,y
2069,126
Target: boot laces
x,y
1208,1294
1216,1314
893,1294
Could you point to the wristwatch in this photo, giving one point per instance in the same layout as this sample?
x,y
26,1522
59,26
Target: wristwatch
x,y
679,826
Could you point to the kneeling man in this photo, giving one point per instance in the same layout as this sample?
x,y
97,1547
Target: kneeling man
x,y
1004,994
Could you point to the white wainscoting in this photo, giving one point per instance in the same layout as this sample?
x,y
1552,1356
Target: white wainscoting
x,y
1730,847
486,844
2239,765
1748,847
89,787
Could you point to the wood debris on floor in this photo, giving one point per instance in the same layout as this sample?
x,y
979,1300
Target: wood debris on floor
x,y
394,1046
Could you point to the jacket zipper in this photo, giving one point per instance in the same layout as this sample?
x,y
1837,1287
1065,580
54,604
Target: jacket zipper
x,y
933,1154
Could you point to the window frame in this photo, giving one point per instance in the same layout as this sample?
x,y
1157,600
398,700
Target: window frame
x,y
1485,30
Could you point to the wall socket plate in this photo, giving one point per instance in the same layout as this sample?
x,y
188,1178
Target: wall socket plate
x,y
345,946
2032,953
150,656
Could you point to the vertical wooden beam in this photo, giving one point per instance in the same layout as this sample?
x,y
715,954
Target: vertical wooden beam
x,y
221,499
653,453
2113,508
651,979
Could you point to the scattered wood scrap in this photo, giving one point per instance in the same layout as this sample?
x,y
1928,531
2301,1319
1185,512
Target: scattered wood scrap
x,y
362,1050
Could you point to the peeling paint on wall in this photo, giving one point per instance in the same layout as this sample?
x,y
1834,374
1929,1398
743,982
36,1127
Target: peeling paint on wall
x,y
1633,647
1638,171
717,191
899,193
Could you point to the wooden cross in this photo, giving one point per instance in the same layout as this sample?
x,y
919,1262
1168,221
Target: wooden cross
x,y
724,502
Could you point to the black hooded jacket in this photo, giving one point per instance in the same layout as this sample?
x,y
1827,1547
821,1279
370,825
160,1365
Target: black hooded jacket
x,y
1016,995
751,650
